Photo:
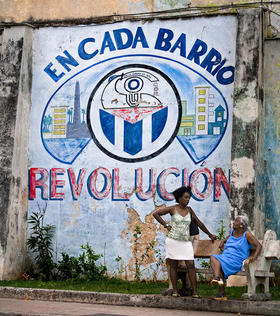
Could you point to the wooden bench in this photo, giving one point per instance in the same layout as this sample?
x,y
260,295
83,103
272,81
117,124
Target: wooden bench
x,y
257,272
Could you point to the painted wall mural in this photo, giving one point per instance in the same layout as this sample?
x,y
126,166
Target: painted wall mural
x,y
122,114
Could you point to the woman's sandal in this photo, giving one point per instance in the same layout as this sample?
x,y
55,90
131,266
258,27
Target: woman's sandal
x,y
167,292
217,281
196,296
175,294
219,297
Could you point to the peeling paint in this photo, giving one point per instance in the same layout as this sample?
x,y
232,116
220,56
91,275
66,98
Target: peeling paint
x,y
149,231
74,216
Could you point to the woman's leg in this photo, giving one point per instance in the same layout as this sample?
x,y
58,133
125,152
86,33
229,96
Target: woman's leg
x,y
218,273
168,272
173,274
222,290
216,267
192,275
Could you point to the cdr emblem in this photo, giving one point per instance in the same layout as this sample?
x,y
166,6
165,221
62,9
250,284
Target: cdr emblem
x,y
134,113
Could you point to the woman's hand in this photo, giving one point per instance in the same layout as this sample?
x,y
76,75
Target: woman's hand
x,y
212,237
221,245
168,227
250,259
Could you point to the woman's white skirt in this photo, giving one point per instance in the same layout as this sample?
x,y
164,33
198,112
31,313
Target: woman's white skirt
x,y
178,249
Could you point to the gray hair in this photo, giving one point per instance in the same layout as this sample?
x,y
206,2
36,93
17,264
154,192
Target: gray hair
x,y
244,220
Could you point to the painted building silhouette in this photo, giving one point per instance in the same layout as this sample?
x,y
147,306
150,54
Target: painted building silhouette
x,y
218,127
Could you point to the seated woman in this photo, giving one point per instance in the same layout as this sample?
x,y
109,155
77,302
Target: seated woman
x,y
237,250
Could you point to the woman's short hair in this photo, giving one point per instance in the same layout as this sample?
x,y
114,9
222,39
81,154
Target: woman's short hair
x,y
180,191
244,221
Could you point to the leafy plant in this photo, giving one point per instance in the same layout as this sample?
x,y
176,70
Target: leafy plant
x,y
120,268
139,260
205,264
136,235
68,267
83,267
221,230
40,242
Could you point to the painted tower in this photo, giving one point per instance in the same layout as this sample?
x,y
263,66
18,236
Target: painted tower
x,y
77,129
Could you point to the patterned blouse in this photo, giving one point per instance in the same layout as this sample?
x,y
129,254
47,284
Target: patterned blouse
x,y
180,227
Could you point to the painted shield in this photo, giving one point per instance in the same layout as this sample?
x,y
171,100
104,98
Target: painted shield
x,y
134,113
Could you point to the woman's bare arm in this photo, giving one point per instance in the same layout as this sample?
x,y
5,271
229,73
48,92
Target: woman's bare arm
x,y
252,240
163,211
202,226
222,243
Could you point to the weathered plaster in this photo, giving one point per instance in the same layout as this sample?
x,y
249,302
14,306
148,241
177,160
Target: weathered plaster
x,y
243,172
247,108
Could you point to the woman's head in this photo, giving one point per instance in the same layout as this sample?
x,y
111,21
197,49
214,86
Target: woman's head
x,y
241,221
178,193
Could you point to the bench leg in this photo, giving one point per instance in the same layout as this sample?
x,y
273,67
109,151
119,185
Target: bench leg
x,y
266,286
253,282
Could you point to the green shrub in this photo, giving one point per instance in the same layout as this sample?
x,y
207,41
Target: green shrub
x,y
40,242
83,267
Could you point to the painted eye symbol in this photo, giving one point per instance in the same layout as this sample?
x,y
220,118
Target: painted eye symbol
x,y
133,85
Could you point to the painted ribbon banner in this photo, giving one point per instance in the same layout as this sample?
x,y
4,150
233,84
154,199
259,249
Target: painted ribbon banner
x,y
122,114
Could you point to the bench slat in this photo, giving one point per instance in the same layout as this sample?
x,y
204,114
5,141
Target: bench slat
x,y
258,273
207,271
206,248
264,274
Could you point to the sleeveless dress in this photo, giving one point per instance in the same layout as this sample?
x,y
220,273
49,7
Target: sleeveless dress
x,y
236,251
177,244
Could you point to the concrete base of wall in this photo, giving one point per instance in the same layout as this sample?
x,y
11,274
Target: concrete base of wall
x,y
155,301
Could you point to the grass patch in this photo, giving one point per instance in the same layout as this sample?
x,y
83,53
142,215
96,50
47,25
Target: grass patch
x,y
121,286
109,285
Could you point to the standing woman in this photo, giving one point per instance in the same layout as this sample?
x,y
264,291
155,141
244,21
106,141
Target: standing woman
x,y
178,244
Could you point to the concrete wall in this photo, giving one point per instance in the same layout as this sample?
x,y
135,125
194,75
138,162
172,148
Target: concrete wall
x,y
15,85
250,148
246,114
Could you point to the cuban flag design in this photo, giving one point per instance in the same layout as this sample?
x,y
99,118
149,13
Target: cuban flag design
x,y
135,132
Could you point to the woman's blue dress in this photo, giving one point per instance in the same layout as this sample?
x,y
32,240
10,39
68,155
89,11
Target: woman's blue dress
x,y
236,251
